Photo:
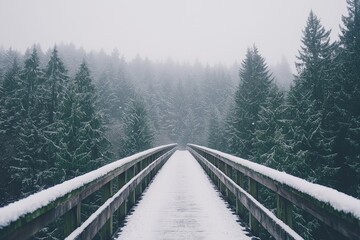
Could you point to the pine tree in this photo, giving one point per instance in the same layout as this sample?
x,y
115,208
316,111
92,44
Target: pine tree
x,y
10,122
55,80
29,165
138,135
309,105
315,59
214,136
346,104
82,143
312,140
270,146
255,81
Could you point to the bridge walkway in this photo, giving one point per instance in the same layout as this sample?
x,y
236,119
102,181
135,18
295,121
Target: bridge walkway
x,y
182,203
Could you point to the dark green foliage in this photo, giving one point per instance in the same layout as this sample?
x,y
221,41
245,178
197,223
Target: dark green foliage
x,y
29,163
82,143
138,135
269,143
216,135
346,103
10,119
55,80
255,82
311,139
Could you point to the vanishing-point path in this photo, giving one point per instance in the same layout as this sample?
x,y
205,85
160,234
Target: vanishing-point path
x,y
181,203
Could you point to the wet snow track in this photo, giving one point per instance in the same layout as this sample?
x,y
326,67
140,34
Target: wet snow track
x,y
181,203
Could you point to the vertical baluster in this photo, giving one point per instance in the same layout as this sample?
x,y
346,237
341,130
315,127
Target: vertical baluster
x,y
253,189
107,230
122,208
72,219
284,210
240,209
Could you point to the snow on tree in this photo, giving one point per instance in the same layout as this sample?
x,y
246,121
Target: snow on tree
x,y
270,146
307,98
82,143
348,103
138,135
55,80
29,164
255,81
10,120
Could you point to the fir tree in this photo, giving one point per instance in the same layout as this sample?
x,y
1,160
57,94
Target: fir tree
x,y
215,135
138,135
346,95
83,146
29,163
312,141
255,81
315,59
270,147
308,132
55,80
10,122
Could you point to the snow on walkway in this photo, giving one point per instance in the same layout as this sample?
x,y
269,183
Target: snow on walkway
x,y
181,203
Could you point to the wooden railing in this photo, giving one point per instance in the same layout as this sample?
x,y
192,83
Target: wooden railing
x,y
24,218
337,210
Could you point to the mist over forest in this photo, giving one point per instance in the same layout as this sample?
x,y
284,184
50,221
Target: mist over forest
x,y
65,111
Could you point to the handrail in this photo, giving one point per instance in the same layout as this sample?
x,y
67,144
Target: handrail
x,y
97,220
337,210
24,218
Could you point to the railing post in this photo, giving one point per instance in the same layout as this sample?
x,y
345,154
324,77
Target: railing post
x,y
107,230
122,208
284,210
253,190
131,172
227,173
240,209
72,219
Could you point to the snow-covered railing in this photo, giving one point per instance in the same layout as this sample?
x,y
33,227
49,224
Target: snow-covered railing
x,y
335,209
24,218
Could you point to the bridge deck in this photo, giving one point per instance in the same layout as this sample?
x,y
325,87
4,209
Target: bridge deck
x,y
181,203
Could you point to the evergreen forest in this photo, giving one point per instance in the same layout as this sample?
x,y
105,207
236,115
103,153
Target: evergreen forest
x,y
65,111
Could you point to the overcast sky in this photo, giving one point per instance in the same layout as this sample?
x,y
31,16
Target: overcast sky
x,y
211,31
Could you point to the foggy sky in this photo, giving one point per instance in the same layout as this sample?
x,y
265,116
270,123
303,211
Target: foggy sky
x,y
211,31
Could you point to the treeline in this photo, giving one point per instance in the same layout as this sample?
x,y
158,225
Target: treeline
x,y
50,129
313,130
65,112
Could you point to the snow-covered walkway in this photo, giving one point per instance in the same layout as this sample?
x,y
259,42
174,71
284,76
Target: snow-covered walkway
x,y
181,203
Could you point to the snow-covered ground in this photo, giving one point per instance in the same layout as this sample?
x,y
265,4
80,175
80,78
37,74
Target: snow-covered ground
x,y
181,203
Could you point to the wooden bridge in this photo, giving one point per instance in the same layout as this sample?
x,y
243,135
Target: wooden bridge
x,y
122,183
